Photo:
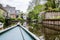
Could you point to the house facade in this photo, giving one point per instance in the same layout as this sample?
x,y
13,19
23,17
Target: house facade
x,y
11,11
12,15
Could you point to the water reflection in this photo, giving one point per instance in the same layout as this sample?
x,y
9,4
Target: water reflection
x,y
42,32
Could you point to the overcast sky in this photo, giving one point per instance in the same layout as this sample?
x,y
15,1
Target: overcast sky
x,y
19,4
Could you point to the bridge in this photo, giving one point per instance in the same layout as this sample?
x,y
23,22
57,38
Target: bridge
x,y
17,32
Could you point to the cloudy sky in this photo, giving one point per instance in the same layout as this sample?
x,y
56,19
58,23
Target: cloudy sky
x,y
19,4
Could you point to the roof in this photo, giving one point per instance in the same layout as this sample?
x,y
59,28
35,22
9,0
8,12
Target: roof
x,y
16,33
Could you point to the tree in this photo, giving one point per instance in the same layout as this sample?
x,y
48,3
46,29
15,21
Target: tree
x,y
51,4
1,5
34,13
39,8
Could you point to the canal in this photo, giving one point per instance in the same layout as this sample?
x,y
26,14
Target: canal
x,y
41,31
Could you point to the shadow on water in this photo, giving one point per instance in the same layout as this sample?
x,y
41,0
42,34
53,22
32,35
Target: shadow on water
x,y
40,29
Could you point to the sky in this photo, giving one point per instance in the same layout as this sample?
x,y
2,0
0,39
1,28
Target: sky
x,y
43,1
21,5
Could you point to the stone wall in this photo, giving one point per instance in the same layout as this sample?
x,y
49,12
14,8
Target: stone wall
x,y
52,15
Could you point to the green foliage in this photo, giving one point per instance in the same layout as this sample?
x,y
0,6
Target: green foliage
x,y
57,9
2,20
31,15
51,5
34,13
12,18
19,19
9,22
35,28
39,8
